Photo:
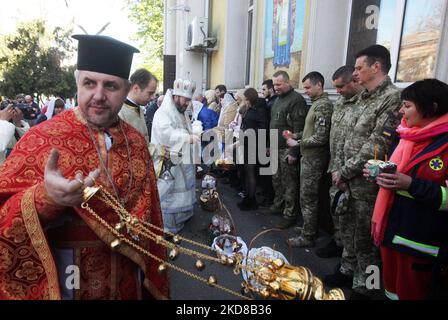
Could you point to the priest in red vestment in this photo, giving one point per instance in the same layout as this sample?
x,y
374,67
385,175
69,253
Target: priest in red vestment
x,y
52,248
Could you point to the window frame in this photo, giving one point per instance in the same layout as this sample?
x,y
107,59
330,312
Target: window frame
x,y
400,13
250,39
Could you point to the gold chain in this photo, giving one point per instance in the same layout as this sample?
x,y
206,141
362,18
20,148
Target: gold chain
x,y
119,208
158,239
273,287
103,164
151,235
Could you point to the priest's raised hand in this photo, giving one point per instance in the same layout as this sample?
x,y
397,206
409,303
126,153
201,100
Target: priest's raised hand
x,y
65,192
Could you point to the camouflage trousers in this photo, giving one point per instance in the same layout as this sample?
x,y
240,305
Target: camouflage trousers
x,y
359,251
311,172
335,218
286,186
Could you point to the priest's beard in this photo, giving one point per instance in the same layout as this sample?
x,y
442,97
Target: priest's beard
x,y
181,105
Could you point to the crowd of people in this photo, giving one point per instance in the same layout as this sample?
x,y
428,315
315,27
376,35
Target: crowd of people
x,y
376,223
19,115
146,149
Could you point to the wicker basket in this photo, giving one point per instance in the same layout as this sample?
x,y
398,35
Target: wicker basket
x,y
225,165
209,201
237,246
200,174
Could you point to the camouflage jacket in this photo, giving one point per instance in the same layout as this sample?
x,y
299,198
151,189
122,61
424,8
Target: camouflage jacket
x,y
288,113
316,134
377,119
342,122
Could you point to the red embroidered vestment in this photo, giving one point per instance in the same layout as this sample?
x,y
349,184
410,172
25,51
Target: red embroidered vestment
x,y
27,265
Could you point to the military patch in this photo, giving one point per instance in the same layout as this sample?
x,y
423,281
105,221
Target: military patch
x,y
322,121
388,132
436,164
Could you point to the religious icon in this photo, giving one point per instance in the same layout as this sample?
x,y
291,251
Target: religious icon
x,y
283,31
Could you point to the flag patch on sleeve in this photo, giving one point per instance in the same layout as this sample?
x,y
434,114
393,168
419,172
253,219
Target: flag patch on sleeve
x,y
388,132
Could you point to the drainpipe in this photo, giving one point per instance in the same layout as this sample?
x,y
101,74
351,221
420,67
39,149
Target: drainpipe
x,y
205,57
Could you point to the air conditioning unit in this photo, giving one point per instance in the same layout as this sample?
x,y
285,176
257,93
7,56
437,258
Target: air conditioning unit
x,y
196,34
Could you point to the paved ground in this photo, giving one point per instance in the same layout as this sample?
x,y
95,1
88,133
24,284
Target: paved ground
x,y
248,225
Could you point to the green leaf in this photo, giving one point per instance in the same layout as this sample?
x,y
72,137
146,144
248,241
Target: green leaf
x,y
34,61
148,15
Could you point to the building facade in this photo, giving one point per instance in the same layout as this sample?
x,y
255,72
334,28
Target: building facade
x,y
240,43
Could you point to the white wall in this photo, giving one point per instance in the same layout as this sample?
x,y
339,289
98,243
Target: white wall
x,y
188,64
327,37
326,45
236,40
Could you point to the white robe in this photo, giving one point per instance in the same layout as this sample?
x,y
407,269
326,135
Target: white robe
x,y
135,119
172,129
7,138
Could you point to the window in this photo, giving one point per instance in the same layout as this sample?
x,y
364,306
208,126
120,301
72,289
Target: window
x,y
250,21
420,38
410,29
371,22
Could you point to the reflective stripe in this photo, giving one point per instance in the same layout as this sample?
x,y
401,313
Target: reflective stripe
x,y
433,251
391,296
443,205
404,194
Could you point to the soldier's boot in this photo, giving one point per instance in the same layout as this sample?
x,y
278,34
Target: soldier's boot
x,y
331,250
301,242
298,230
356,296
248,204
273,210
286,223
338,279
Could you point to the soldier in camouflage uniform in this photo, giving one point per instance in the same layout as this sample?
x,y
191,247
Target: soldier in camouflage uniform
x,y
288,113
315,156
342,122
377,119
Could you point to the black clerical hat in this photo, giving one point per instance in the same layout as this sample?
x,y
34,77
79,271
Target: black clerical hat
x,y
104,55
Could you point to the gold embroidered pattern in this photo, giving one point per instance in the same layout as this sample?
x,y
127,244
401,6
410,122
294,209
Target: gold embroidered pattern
x,y
37,236
32,144
4,212
78,145
6,258
29,271
139,171
15,290
17,232
26,169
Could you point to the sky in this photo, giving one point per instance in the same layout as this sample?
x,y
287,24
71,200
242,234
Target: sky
x,y
92,15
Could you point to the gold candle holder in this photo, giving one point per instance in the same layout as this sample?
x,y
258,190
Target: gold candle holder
x,y
286,282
